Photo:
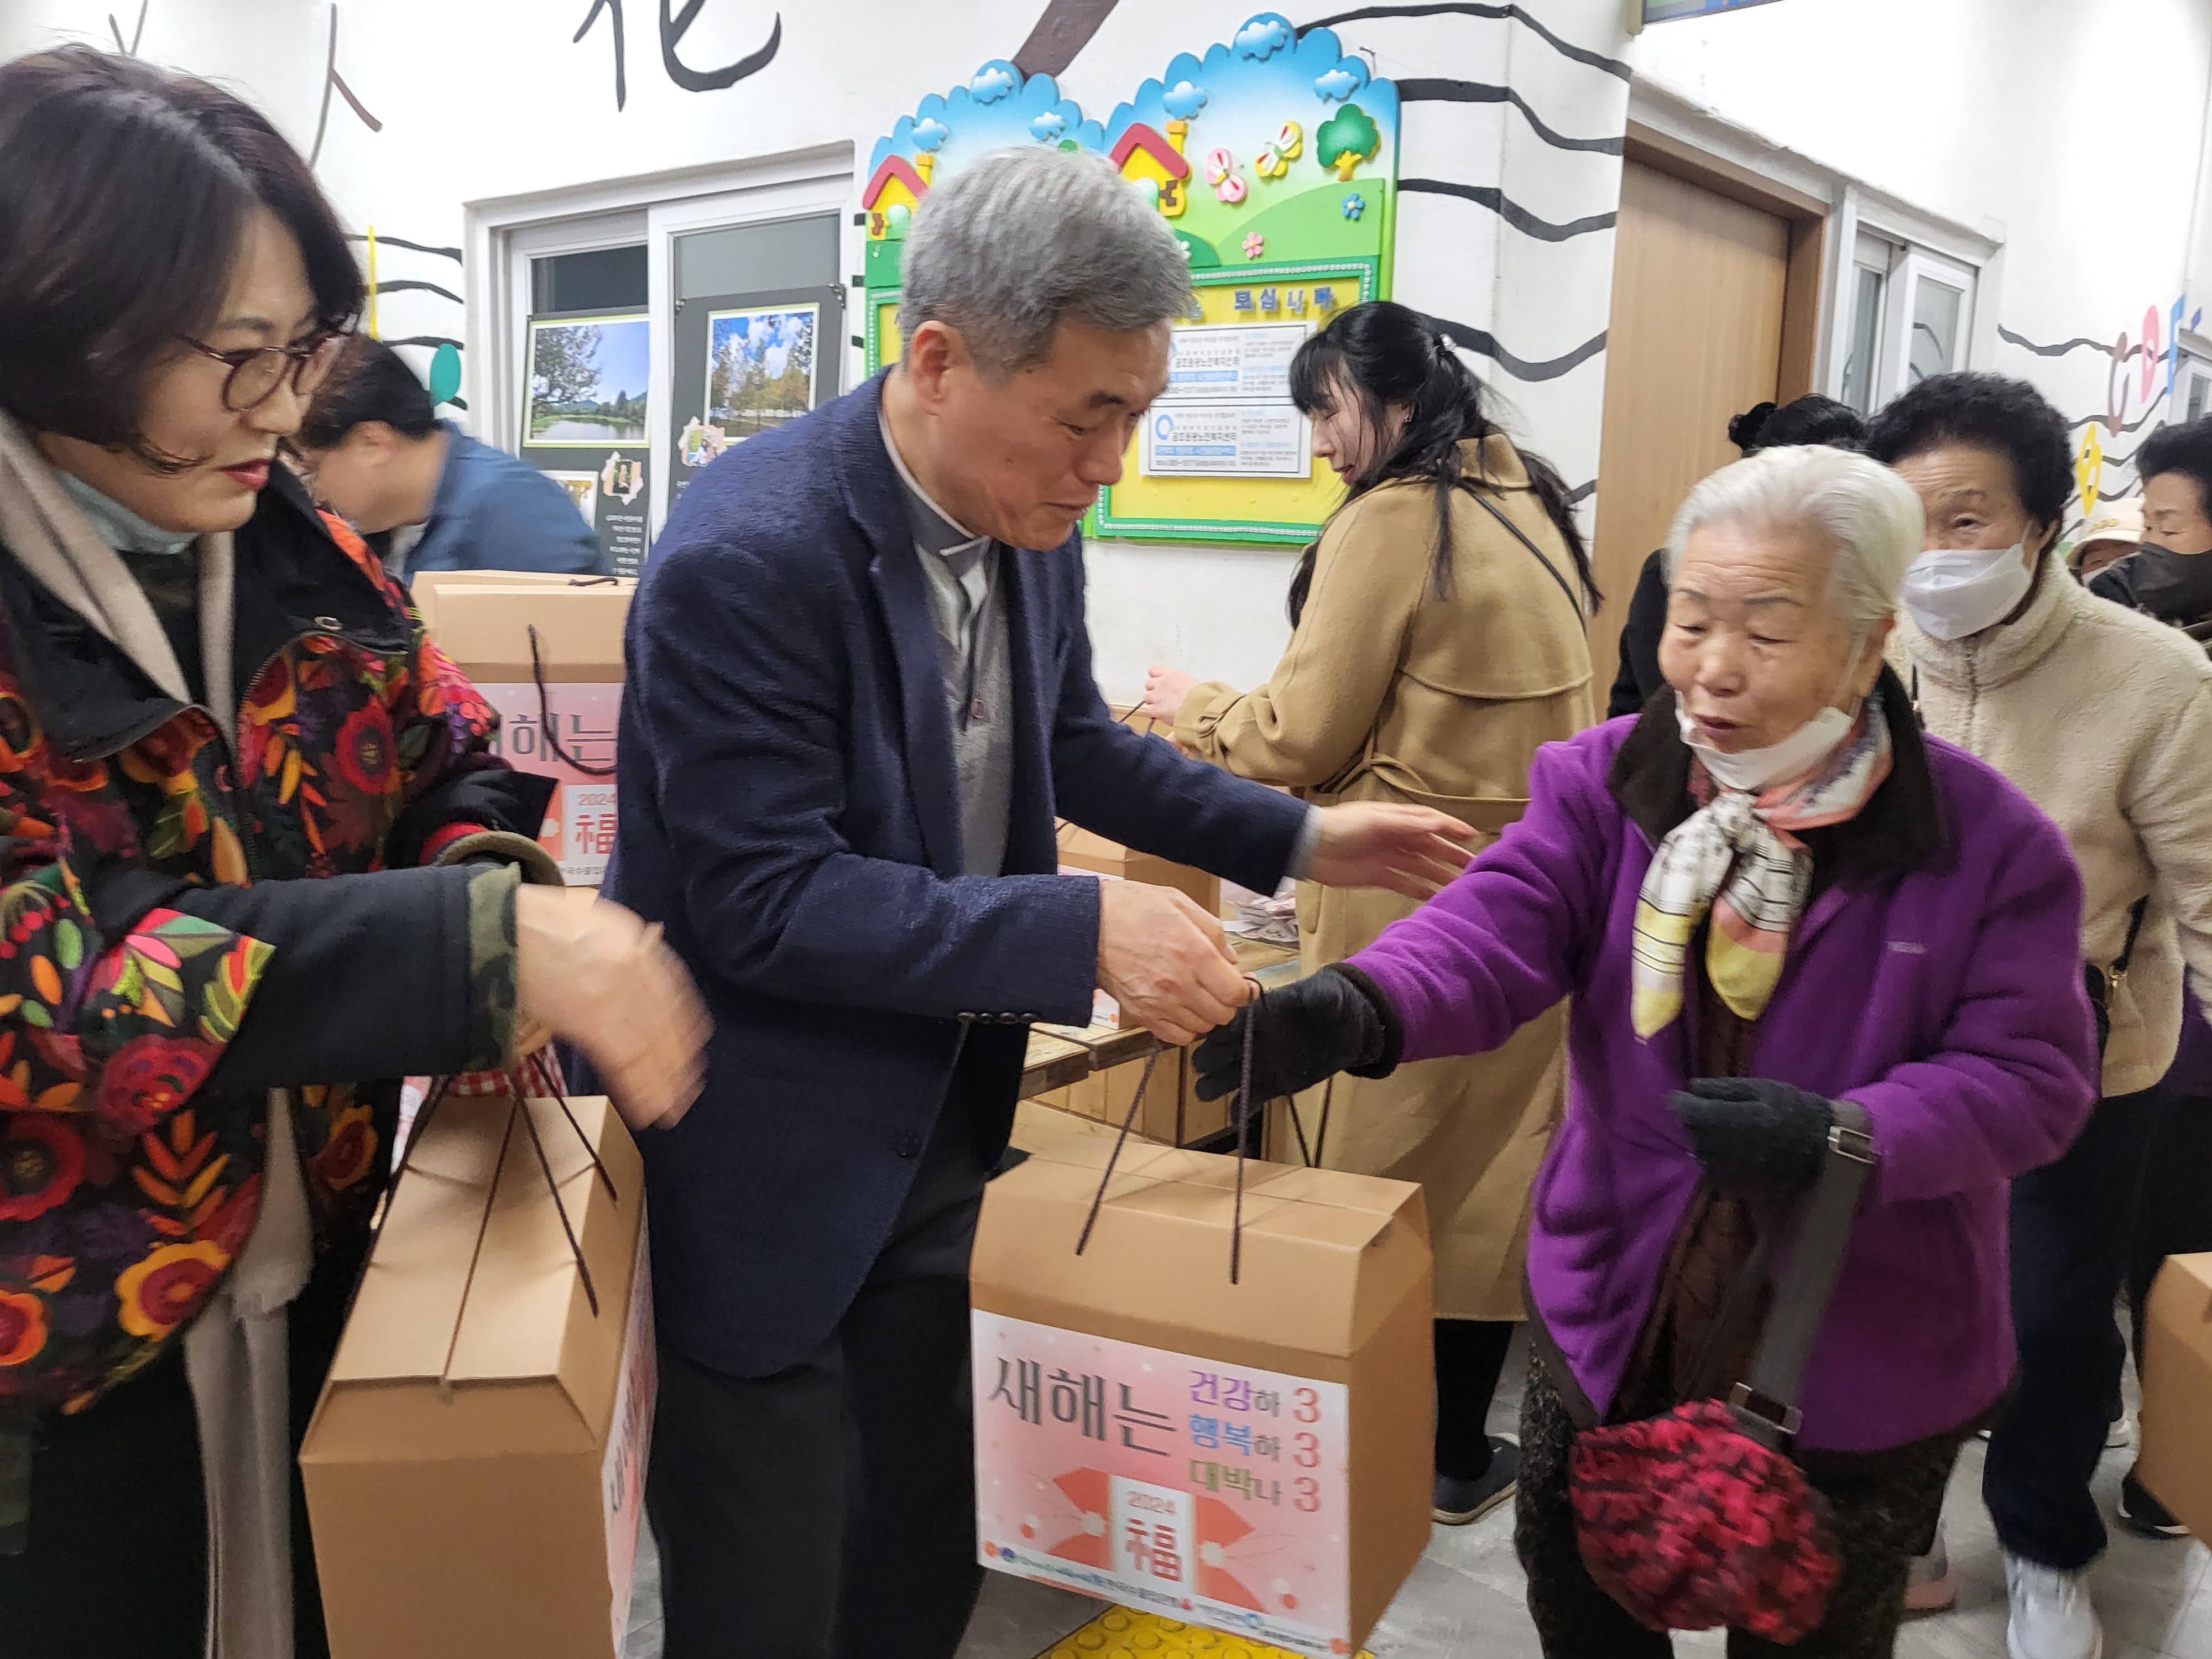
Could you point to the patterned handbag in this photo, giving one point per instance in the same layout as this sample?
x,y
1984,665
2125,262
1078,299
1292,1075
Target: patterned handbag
x,y
1698,1518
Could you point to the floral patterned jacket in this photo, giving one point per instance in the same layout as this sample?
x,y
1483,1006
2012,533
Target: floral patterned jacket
x,y
166,956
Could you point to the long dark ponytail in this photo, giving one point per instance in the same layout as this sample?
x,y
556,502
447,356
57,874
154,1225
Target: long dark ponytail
x,y
1390,356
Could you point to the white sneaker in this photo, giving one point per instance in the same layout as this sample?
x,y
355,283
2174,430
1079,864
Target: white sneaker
x,y
1933,1584
2052,1615
2122,1435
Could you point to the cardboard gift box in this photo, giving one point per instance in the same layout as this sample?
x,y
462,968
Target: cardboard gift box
x,y
2176,1464
482,619
475,1467
1254,1455
1084,852
1107,1094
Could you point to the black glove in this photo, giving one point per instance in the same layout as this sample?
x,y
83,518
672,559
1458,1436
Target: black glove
x,y
1757,1138
1334,1021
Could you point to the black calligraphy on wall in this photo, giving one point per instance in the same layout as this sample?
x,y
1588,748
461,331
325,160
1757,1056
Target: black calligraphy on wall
x,y
674,26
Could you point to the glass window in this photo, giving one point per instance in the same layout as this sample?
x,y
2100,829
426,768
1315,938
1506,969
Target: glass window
x,y
602,279
1865,343
2199,386
1933,348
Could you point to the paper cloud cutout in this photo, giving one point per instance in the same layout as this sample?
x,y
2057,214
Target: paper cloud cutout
x,y
1263,36
1341,82
992,82
1048,126
929,132
1184,100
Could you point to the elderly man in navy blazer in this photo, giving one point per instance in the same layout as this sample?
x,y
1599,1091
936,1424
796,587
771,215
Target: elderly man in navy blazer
x,y
859,692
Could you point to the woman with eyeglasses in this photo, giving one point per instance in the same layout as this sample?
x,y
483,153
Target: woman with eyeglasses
x,y
254,855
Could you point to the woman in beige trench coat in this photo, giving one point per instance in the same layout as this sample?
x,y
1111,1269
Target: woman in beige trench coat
x,y
1427,668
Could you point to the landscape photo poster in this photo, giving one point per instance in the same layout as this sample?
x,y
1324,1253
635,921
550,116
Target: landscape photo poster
x,y
586,382
759,370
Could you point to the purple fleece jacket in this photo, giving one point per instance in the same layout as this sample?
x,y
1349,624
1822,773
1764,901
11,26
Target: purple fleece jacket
x,y
1950,1005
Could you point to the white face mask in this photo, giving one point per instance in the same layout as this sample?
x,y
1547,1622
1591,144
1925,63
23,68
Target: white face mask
x,y
1955,591
1752,770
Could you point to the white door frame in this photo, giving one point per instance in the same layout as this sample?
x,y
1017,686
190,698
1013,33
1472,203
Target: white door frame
x,y
502,236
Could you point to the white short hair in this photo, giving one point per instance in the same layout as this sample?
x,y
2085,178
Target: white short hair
x,y
1865,511
1022,240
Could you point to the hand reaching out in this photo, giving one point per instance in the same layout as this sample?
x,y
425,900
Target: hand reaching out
x,y
591,972
1165,961
1410,850
1164,690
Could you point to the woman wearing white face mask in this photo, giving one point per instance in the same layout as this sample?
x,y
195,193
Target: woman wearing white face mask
x,y
2104,717
1866,922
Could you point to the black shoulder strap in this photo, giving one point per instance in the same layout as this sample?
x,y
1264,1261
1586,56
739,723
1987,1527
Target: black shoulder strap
x,y
2134,932
1766,1405
1491,507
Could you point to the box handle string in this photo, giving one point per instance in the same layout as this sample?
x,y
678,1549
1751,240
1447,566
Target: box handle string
x,y
1242,1116
545,716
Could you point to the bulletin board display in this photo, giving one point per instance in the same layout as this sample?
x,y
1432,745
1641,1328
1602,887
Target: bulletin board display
x,y
1228,484
1272,158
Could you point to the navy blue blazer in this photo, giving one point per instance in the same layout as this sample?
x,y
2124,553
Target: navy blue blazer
x,y
790,812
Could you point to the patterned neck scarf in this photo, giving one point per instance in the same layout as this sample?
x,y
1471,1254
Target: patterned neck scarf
x,y
1738,856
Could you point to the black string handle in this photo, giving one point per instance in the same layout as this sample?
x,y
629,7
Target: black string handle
x,y
1136,1105
522,1106
1243,1127
548,1077
1243,1117
545,714
533,1071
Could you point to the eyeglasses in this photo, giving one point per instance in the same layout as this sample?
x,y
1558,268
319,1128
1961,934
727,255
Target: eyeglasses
x,y
255,371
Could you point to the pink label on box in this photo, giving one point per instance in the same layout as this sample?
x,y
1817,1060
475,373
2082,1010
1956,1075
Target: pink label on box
x,y
1214,1494
579,822
629,1445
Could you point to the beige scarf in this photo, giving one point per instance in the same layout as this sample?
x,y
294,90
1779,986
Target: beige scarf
x,y
236,1354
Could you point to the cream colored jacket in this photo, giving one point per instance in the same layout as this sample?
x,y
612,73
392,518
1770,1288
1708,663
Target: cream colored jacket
x,y
2104,718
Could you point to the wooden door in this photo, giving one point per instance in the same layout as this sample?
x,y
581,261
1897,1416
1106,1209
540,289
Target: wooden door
x,y
1699,282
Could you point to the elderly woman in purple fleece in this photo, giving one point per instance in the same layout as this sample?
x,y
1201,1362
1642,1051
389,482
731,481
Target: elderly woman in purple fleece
x,y
1765,893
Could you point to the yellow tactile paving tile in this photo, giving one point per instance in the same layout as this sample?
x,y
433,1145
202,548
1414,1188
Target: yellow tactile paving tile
x,y
1122,1634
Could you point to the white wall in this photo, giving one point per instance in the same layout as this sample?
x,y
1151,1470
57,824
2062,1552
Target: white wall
x,y
2072,132
484,99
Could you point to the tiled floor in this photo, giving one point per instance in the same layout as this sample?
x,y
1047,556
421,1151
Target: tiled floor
x,y
1464,1600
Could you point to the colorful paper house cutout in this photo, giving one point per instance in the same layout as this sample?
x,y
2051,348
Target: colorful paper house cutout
x,y
897,184
1145,156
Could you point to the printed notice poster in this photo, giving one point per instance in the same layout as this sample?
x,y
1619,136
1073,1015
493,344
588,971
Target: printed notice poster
x,y
580,820
1233,362
1249,441
1215,1495
1227,410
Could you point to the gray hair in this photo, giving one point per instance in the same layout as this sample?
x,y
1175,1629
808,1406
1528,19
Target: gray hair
x,y
1022,240
1870,514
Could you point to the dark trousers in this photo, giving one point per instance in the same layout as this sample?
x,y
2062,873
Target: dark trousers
x,y
1883,1505
831,1508
2073,1223
1470,1359
117,1562
2175,1216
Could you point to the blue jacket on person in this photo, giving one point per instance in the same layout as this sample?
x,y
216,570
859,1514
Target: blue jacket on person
x,y
495,512
790,814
